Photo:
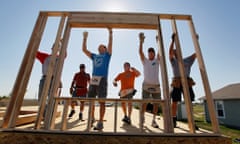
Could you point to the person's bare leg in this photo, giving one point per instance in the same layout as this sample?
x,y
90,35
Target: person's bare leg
x,y
124,108
102,111
174,113
129,109
174,109
81,106
93,110
73,105
81,110
155,110
144,106
143,110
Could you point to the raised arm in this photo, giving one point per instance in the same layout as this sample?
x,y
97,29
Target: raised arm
x,y
84,44
110,39
135,71
141,40
193,56
60,46
171,48
72,85
158,56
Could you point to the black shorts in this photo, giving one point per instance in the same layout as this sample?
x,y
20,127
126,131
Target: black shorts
x,y
176,94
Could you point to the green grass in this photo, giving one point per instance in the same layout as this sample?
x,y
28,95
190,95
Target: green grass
x,y
3,97
200,121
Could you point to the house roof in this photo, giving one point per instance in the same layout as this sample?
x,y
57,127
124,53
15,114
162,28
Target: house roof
x,y
231,91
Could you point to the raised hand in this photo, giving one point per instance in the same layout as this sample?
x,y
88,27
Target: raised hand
x,y
173,36
141,36
85,34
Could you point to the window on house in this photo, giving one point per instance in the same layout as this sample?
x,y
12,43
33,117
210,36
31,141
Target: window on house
x,y
220,109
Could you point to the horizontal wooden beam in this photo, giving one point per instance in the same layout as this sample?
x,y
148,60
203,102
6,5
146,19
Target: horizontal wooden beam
x,y
162,16
115,19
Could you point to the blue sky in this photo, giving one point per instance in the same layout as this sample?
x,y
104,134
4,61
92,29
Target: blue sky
x,y
216,22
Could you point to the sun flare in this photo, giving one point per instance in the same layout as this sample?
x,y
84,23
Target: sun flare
x,y
114,6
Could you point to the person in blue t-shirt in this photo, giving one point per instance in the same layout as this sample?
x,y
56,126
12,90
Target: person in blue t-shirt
x,y
98,83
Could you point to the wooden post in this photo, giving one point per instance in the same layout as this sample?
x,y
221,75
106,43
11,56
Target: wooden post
x,y
47,85
168,125
115,115
51,102
64,116
205,81
22,79
184,82
57,76
100,20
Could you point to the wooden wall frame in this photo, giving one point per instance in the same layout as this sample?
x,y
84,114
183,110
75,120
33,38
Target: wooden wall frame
x,y
102,20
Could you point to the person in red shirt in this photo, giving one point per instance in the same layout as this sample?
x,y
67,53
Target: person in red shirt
x,y
127,90
79,88
44,59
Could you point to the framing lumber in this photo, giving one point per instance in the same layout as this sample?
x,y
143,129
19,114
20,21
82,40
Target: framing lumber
x,y
168,125
205,81
184,82
100,20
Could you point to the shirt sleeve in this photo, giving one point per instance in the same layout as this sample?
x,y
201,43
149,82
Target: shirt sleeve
x,y
189,60
118,77
41,56
89,77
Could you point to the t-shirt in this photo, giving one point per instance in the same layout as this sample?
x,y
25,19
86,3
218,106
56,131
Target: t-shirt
x,y
81,79
151,71
188,61
127,79
81,82
42,56
100,64
44,59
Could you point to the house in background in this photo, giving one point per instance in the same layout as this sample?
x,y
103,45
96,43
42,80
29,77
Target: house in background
x,y
227,105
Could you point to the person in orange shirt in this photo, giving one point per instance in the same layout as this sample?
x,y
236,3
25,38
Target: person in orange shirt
x,y
127,90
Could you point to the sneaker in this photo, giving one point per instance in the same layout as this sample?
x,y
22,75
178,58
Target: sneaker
x,y
126,120
154,124
99,126
71,113
80,116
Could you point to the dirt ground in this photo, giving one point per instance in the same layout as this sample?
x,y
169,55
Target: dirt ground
x,y
63,138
